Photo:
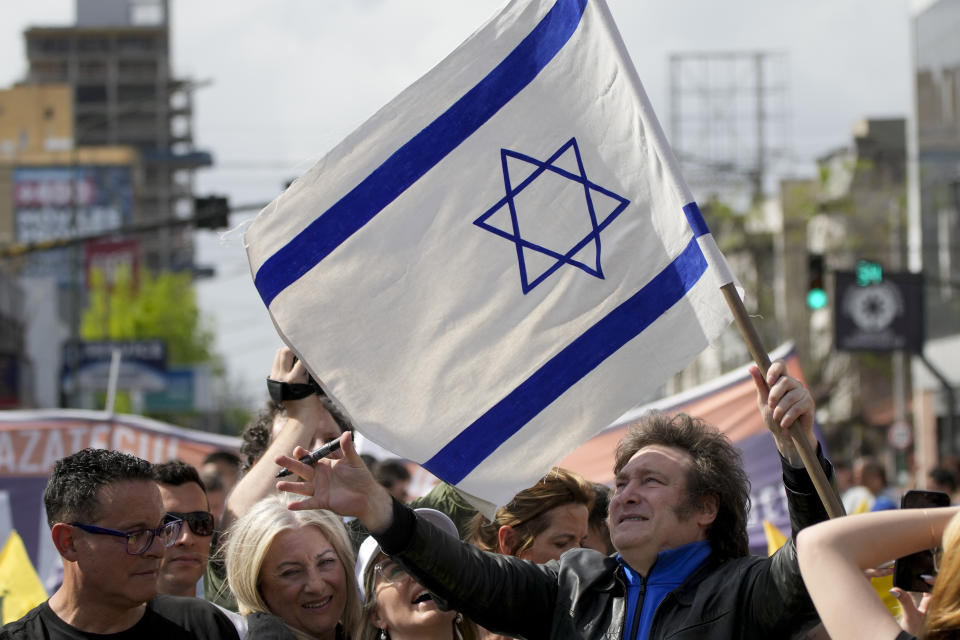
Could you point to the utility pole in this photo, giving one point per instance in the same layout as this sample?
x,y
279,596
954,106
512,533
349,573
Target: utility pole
x,y
761,122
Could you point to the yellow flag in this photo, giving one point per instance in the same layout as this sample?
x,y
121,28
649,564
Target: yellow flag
x,y
775,539
882,586
20,586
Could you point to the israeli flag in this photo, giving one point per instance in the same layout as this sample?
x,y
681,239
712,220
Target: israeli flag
x,y
502,260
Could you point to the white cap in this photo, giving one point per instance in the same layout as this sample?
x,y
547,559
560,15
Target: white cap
x,y
370,548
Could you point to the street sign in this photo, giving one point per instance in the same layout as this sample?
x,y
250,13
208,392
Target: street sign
x,y
86,364
886,314
186,389
900,436
869,272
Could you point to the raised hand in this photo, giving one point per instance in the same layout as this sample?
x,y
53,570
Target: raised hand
x,y
309,411
343,486
784,401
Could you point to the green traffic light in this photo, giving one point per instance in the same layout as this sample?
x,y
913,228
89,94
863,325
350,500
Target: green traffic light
x,y
816,298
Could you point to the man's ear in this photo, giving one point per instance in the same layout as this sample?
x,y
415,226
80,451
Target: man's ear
x,y
65,540
709,507
507,538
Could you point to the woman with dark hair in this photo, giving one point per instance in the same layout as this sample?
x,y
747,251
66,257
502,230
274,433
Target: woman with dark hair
x,y
540,522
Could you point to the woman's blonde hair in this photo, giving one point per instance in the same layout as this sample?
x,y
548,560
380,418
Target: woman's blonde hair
x,y
369,631
249,540
943,614
526,512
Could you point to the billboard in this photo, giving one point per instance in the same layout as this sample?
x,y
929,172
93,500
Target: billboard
x,y
109,256
86,364
51,203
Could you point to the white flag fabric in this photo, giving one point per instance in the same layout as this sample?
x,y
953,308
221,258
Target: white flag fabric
x,y
502,260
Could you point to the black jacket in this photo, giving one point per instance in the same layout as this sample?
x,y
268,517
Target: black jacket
x,y
266,626
582,594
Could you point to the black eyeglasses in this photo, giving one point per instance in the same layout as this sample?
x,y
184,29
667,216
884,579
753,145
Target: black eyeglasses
x,y
391,572
201,522
139,541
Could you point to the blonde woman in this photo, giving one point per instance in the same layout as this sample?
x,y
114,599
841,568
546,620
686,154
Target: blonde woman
x,y
291,572
397,607
834,554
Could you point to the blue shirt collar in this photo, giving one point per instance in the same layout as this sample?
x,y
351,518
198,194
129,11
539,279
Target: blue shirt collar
x,y
670,564
668,572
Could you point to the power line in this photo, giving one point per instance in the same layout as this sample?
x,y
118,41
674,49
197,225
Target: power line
x,y
20,249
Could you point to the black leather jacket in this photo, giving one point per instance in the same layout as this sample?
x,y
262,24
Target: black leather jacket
x,y
582,594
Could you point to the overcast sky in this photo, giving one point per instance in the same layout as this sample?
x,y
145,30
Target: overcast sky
x,y
291,78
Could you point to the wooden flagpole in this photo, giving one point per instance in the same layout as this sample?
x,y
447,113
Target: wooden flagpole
x,y
807,453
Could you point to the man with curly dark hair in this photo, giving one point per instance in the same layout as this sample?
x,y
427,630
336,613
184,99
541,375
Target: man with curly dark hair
x,y
257,434
714,477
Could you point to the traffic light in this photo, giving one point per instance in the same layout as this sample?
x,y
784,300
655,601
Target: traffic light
x,y
816,290
211,212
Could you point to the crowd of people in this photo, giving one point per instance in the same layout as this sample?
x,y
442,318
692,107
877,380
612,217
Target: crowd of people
x,y
336,551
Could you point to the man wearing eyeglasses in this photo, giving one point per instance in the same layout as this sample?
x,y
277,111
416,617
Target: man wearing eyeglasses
x,y
184,497
108,523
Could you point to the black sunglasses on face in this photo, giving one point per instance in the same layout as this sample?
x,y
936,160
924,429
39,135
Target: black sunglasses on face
x,y
200,522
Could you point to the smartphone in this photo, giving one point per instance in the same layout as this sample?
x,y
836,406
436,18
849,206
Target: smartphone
x,y
908,569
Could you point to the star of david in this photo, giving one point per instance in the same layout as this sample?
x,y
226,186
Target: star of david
x,y
554,202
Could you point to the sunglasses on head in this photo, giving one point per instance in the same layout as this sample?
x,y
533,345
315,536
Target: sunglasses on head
x,y
200,522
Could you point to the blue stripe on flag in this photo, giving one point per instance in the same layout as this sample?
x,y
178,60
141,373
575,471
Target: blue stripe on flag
x,y
421,153
475,443
695,218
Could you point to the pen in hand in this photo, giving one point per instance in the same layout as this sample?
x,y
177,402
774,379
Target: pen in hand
x,y
315,455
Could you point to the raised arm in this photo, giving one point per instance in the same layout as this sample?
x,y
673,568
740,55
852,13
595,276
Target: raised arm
x,y
304,423
834,554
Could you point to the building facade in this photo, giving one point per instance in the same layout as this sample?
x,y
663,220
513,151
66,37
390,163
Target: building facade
x,y
116,60
935,217
52,194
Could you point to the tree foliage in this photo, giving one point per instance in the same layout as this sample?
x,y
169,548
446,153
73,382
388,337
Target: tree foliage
x,y
144,306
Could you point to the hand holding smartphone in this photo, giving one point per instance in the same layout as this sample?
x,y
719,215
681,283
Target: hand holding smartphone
x,y
908,569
